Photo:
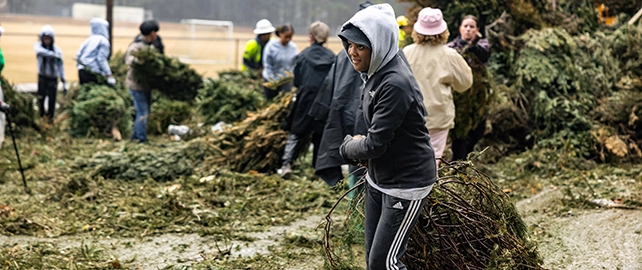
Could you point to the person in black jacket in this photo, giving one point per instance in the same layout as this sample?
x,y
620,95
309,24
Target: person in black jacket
x,y
312,66
401,165
338,103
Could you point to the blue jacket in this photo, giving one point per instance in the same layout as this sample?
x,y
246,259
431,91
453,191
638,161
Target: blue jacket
x,y
94,52
49,60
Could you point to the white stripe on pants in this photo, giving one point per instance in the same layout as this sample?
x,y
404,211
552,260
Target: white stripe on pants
x,y
388,223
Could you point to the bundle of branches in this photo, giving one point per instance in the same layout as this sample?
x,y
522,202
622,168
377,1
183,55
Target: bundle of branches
x,y
561,81
620,130
472,105
22,114
165,112
284,79
168,75
255,143
227,100
626,42
98,109
119,68
247,78
139,164
469,223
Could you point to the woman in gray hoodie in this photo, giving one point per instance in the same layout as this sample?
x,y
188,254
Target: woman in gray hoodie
x,y
400,161
50,68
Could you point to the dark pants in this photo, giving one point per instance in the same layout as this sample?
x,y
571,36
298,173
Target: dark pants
x,y
463,146
87,77
47,88
270,94
296,142
141,104
387,225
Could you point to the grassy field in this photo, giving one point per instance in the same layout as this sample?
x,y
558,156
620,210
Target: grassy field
x,y
22,32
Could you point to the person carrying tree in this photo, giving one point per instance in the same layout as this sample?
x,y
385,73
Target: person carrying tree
x,y
253,55
401,167
141,94
50,68
279,60
158,42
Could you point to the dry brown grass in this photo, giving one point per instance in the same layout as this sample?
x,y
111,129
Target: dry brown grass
x,y
17,44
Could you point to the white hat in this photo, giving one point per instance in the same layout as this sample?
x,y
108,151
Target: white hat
x,y
263,27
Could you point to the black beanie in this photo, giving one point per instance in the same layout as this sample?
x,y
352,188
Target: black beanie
x,y
148,26
355,35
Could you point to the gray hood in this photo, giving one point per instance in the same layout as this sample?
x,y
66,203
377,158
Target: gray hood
x,y
379,24
99,27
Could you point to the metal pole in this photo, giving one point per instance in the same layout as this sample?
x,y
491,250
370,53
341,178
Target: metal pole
x,y
15,147
110,20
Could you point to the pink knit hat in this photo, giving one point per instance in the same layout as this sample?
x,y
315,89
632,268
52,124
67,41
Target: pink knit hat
x,y
430,22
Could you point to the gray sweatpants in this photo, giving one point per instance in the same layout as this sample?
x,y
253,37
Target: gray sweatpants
x,y
388,223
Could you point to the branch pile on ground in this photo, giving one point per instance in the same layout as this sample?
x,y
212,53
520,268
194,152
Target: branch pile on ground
x,y
255,143
165,112
175,80
570,88
467,222
229,97
139,163
22,114
98,109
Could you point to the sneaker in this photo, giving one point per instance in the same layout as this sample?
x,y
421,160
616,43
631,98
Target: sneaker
x,y
286,171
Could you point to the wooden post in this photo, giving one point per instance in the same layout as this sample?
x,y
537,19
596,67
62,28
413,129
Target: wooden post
x,y
635,17
110,20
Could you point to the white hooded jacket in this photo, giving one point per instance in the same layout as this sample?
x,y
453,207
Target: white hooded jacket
x,y
94,52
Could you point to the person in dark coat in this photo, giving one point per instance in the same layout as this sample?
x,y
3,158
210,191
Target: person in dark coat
x,y
311,67
338,103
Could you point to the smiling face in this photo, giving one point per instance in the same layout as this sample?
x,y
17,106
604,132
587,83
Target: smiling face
x,y
468,29
360,56
286,37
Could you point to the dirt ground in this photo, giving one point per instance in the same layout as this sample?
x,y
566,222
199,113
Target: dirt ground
x,y
22,32
580,239
584,239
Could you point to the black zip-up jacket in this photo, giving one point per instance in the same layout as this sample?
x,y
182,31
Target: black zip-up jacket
x,y
397,145
312,66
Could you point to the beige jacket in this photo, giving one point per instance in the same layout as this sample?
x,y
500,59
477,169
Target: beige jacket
x,y
439,70
132,82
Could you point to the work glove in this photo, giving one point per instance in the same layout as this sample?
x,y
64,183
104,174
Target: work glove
x,y
4,107
65,88
342,150
111,81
